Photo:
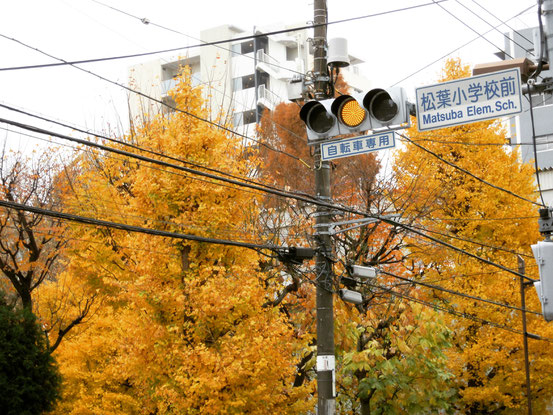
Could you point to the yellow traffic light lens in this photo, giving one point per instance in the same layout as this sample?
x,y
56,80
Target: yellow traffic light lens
x,y
351,113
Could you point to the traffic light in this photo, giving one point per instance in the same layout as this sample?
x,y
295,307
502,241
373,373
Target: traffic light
x,y
543,252
378,109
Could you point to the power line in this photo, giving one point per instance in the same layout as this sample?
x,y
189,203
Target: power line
x,y
455,166
472,241
136,147
120,159
218,42
465,315
278,193
473,30
460,47
166,164
453,247
534,145
161,102
457,293
149,22
486,219
492,26
503,22
89,241
131,228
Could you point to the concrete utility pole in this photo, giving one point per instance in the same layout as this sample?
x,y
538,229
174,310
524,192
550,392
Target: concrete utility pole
x,y
522,270
324,274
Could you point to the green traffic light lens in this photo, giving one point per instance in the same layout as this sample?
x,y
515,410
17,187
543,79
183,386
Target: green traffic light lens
x,y
383,107
319,120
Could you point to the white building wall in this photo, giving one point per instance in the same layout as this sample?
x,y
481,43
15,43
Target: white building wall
x,y
218,69
145,77
216,73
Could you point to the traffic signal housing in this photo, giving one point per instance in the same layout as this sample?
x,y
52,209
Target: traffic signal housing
x,y
543,252
377,109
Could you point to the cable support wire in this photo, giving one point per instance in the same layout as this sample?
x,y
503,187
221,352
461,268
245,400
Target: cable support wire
x,y
218,42
467,172
464,315
161,102
458,293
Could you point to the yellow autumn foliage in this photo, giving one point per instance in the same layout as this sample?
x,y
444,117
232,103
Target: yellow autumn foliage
x,y
494,224
184,327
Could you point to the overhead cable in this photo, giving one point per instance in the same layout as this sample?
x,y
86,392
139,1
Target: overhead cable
x,y
218,42
131,228
468,173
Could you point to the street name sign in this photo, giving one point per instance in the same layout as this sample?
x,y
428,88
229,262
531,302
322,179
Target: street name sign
x,y
357,145
469,100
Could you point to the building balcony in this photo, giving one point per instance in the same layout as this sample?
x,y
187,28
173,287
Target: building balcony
x,y
267,98
275,68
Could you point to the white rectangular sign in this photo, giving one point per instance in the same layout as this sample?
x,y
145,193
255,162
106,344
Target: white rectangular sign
x,y
468,100
327,362
357,145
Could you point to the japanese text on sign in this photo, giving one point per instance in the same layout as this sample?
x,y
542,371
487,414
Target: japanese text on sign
x,y
357,145
469,100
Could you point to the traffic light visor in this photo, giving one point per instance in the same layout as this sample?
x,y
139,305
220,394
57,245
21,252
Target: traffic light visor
x,y
317,118
381,105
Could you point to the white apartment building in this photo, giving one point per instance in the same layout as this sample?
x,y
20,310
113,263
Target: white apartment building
x,y
240,78
520,44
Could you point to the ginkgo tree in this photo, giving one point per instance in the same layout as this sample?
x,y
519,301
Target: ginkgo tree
x,y
185,327
490,213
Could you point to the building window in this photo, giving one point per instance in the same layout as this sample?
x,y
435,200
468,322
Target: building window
x,y
243,82
248,81
243,48
243,118
237,84
291,53
263,78
249,117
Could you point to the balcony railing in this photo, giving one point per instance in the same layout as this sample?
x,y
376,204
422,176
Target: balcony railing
x,y
264,94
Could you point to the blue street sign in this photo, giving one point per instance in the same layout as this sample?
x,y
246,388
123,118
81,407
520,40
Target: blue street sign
x,y
469,100
357,145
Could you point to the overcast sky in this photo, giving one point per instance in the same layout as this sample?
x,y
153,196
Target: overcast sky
x,y
393,45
